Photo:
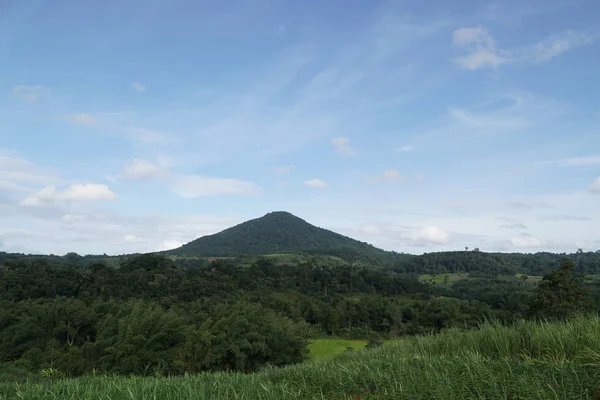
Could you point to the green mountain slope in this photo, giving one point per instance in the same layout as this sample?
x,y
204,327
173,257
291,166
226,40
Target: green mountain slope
x,y
281,233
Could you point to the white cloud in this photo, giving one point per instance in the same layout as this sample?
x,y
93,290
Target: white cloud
x,y
390,176
96,232
81,192
138,86
16,172
316,183
428,235
508,112
558,44
80,119
405,149
481,58
30,94
342,147
169,245
87,192
145,136
370,230
283,169
43,197
525,242
516,225
142,170
482,52
579,161
471,35
595,186
133,239
192,186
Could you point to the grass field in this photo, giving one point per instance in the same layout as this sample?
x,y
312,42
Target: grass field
x,y
327,348
527,361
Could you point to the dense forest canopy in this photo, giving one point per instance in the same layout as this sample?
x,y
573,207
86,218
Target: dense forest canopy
x,y
152,315
279,233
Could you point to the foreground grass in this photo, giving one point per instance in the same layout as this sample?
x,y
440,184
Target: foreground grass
x,y
526,361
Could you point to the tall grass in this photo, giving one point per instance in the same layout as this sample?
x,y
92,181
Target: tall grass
x,y
554,361
576,340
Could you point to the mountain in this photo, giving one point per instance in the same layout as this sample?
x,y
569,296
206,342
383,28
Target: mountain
x,y
280,232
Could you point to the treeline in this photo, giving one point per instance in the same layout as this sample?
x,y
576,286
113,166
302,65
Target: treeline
x,y
470,261
142,337
151,315
467,261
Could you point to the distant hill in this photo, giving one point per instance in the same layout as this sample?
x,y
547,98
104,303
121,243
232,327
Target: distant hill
x,y
281,233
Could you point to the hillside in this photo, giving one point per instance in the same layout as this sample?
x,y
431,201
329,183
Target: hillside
x,y
281,233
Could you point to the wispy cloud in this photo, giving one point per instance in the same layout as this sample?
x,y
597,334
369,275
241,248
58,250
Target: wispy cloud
x,y
564,217
529,205
480,47
73,193
526,242
283,169
341,146
83,119
390,176
192,186
595,186
139,170
20,173
559,44
507,112
30,94
316,183
404,149
120,125
482,51
579,161
146,136
428,235
138,86
516,225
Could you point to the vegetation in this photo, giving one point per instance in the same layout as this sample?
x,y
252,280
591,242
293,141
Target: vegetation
x,y
327,348
153,316
554,360
281,233
313,295
561,294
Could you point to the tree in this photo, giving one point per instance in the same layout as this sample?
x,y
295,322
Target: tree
x,y
560,294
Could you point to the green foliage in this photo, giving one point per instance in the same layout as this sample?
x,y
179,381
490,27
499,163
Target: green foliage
x,y
244,337
140,340
281,233
327,348
486,364
561,294
154,315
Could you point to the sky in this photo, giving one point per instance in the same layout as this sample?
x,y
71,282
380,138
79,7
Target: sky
x,y
417,126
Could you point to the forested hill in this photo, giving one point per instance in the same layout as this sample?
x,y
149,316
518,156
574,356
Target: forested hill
x,y
282,233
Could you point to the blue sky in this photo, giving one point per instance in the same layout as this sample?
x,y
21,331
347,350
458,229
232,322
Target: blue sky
x,y
415,126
